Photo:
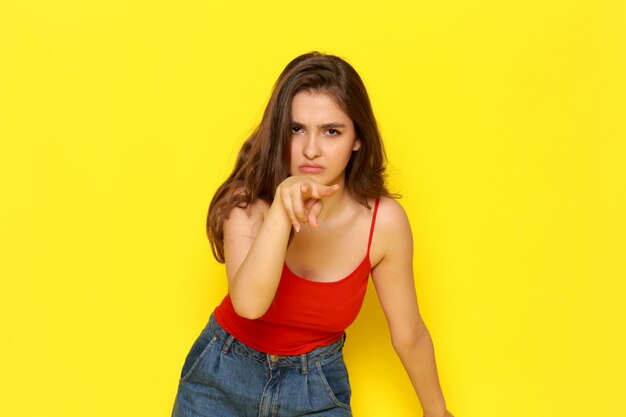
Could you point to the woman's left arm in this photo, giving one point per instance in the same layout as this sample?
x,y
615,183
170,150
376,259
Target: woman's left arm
x,y
393,279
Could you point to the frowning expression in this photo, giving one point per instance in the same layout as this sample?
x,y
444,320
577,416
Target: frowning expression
x,y
322,138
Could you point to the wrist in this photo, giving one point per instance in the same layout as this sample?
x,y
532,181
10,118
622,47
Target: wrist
x,y
444,413
278,213
436,411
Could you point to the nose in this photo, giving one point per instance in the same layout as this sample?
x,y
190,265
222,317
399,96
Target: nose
x,y
311,148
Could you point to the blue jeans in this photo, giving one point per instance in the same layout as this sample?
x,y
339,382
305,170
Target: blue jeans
x,y
222,377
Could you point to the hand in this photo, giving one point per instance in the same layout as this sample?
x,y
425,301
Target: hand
x,y
301,198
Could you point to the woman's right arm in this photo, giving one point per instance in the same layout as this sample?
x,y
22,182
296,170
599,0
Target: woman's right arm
x,y
256,239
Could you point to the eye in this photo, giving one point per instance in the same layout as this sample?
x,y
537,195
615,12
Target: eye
x,y
296,129
333,132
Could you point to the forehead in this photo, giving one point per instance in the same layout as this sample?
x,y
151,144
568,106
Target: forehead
x,y
316,106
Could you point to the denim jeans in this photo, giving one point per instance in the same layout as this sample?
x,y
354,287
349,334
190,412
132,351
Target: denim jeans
x,y
222,377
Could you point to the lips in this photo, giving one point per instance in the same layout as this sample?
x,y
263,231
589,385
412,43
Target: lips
x,y
311,168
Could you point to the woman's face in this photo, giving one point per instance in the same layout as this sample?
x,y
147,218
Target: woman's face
x,y
322,138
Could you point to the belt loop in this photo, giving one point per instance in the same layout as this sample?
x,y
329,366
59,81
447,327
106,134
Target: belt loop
x,y
304,363
229,342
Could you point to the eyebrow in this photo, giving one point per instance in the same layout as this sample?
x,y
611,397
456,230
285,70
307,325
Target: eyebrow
x,y
331,125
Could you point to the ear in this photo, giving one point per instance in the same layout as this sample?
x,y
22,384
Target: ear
x,y
357,145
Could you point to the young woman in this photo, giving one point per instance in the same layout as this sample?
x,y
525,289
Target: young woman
x,y
300,224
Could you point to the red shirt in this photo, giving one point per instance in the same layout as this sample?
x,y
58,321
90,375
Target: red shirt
x,y
304,314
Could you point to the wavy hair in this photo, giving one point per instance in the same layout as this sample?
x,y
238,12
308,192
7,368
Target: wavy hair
x,y
263,161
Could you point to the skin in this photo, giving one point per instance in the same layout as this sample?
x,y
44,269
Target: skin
x,y
327,220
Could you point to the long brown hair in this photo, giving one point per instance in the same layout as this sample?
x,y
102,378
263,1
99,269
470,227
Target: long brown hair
x,y
263,161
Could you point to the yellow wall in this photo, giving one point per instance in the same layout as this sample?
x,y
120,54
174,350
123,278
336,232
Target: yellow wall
x,y
505,127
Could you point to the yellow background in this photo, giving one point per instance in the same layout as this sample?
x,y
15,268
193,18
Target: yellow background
x,y
505,128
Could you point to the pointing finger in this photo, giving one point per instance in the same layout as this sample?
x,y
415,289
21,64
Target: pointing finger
x,y
328,190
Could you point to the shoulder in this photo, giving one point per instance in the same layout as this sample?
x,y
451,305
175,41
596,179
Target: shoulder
x,y
392,230
391,216
256,208
245,219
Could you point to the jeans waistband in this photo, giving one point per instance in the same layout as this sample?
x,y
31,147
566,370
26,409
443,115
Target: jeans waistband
x,y
231,343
